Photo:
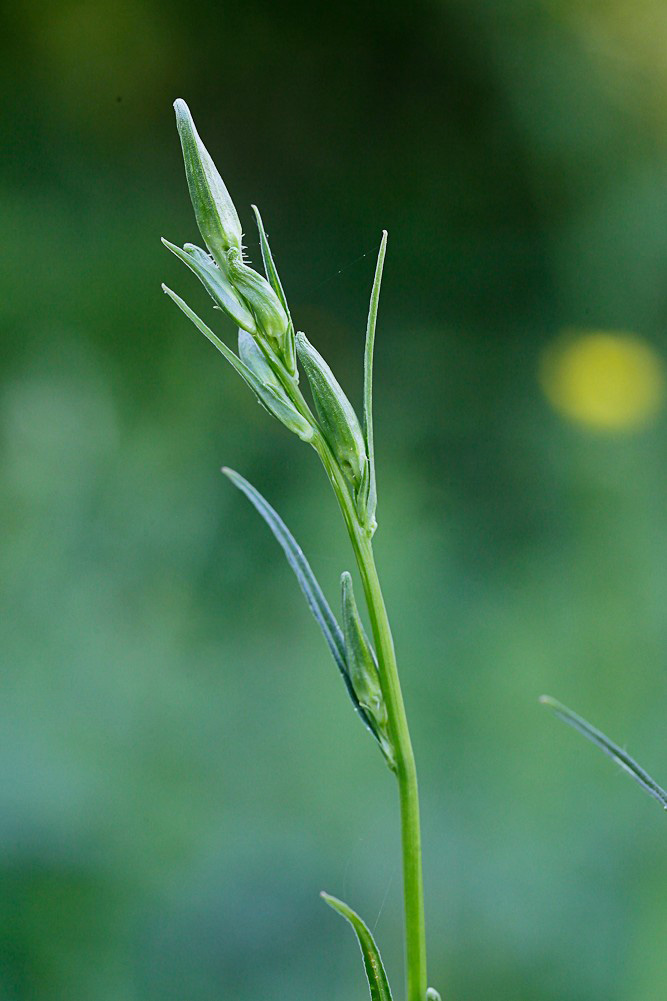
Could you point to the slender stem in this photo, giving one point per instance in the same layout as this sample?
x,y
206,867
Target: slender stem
x,y
406,772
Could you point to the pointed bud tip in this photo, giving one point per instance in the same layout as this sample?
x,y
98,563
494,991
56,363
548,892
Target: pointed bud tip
x,y
181,108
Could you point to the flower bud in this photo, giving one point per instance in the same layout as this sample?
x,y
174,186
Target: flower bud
x,y
216,216
338,421
269,389
362,667
270,316
215,283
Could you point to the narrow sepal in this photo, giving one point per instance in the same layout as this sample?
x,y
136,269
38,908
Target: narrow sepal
x,y
337,419
312,591
216,215
274,400
375,972
215,282
612,750
274,280
371,495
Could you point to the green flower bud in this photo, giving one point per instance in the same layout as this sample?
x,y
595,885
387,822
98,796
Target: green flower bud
x,y
254,358
338,421
270,316
215,283
362,668
269,390
216,216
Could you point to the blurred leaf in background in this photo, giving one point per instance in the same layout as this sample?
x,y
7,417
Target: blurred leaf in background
x,y
180,775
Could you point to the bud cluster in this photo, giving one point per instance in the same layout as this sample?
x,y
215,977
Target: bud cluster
x,y
267,345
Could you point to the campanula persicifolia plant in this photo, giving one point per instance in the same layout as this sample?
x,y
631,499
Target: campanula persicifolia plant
x,y
270,351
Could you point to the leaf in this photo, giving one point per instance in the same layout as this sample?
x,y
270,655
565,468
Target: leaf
x,y
609,748
274,280
371,503
377,978
215,283
312,591
274,400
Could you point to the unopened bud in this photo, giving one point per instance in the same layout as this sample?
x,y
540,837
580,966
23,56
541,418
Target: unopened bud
x,y
270,316
363,669
216,216
338,421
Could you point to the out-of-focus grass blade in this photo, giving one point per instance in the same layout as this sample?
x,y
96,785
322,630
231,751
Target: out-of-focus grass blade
x,y
611,749
377,978
312,591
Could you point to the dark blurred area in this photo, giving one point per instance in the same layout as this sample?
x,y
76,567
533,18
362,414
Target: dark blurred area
x,y
181,772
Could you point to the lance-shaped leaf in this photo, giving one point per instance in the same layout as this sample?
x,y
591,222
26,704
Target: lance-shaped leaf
x,y
216,215
312,591
272,275
611,749
338,421
371,490
363,670
375,973
215,282
275,400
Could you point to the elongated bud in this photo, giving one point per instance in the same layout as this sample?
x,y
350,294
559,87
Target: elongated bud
x,y
271,319
360,658
254,358
363,670
273,399
338,421
269,390
216,284
432,995
216,216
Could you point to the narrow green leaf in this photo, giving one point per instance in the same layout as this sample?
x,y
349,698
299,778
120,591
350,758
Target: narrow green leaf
x,y
274,400
371,503
312,591
215,282
611,749
377,978
272,275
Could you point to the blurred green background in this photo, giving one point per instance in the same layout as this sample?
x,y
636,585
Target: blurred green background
x,y
181,772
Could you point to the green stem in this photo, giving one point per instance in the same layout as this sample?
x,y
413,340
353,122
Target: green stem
x,y
406,771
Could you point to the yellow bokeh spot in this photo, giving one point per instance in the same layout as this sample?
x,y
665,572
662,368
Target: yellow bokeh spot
x,y
606,380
